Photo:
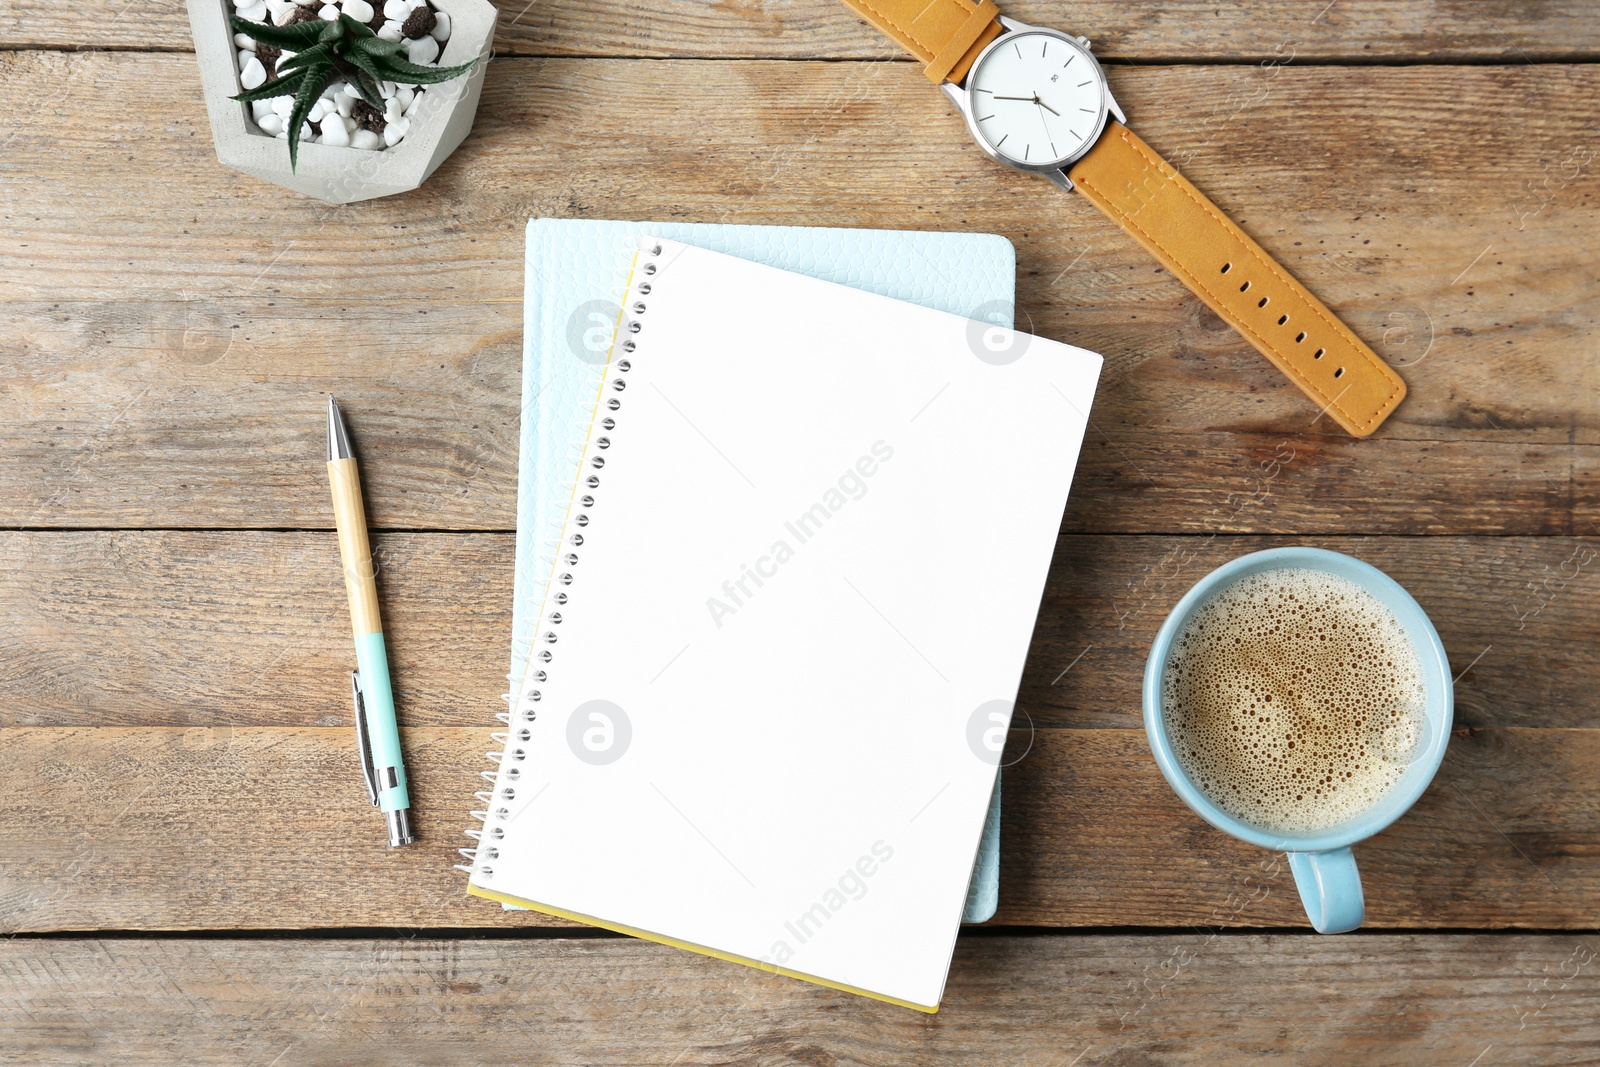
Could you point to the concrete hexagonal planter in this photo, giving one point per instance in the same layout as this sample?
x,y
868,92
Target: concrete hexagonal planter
x,y
343,175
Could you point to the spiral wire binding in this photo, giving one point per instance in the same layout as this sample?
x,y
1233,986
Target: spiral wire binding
x,y
588,461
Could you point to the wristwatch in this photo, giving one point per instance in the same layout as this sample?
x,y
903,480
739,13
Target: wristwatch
x,y
1037,100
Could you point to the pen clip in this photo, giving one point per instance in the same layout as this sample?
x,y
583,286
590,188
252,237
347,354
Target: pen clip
x,y
363,741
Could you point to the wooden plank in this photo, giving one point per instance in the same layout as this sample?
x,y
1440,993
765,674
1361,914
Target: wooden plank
x,y
164,359
1178,30
216,828
1186,998
195,628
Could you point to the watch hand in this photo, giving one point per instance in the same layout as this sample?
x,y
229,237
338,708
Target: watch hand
x,y
1046,106
1029,99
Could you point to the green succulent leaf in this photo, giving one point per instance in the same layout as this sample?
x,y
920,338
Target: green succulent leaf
x,y
367,79
359,30
367,88
307,59
376,46
316,78
277,87
400,70
295,38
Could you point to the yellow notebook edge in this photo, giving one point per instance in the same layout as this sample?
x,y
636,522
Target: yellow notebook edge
x,y
660,939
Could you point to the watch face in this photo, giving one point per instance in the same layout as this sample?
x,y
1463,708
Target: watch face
x,y
1037,98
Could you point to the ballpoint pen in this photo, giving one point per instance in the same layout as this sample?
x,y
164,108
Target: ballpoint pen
x,y
377,734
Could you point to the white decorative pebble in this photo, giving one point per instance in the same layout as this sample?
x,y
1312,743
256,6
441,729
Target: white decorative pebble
x,y
390,31
305,3
345,104
319,109
270,124
329,13
441,26
404,94
259,108
392,109
245,41
283,106
387,89
306,131
416,102
279,10
254,75
359,10
366,140
245,56
335,133
255,12
393,132
396,9
423,50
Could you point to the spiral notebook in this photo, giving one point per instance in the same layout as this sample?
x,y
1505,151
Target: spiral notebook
x,y
569,309
779,641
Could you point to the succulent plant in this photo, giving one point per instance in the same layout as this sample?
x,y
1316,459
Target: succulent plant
x,y
325,48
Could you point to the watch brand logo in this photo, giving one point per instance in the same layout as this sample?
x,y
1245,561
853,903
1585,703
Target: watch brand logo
x,y
990,336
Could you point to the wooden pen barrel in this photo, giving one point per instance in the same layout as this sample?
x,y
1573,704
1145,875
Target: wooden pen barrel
x,y
360,580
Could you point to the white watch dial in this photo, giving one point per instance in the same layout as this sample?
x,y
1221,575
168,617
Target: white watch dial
x,y
1037,99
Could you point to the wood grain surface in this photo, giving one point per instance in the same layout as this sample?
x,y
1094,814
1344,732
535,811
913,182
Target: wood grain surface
x,y
250,628
189,871
149,364
1184,30
215,828
1188,997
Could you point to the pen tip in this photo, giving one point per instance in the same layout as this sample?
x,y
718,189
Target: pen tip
x,y
338,433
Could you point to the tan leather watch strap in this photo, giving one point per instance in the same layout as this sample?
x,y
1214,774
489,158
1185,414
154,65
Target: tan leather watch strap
x,y
946,35
1142,192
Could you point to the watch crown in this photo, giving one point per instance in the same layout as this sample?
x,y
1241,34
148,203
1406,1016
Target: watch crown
x,y
1085,42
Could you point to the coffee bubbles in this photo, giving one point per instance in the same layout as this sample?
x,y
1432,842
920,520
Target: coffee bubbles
x,y
1294,700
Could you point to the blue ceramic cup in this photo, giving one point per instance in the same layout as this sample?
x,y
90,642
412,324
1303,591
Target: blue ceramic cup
x,y
1323,865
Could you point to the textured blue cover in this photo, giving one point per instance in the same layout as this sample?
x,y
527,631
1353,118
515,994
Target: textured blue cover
x,y
576,267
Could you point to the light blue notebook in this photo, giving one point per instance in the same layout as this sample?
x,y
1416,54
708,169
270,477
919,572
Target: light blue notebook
x,y
574,276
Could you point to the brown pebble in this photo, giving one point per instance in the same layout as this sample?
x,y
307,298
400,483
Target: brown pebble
x,y
368,117
419,23
303,14
269,54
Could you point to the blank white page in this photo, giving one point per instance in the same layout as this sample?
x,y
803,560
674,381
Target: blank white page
x,y
789,623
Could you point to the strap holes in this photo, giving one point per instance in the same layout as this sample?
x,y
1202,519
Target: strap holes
x,y
1301,336
1319,353
1226,267
1245,287
1282,319
1339,373
1263,301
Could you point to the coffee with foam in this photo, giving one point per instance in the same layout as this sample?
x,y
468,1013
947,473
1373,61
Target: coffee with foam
x,y
1294,700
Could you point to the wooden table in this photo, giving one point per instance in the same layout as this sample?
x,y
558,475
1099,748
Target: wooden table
x,y
188,869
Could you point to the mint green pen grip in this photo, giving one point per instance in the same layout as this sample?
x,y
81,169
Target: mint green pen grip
x,y
372,661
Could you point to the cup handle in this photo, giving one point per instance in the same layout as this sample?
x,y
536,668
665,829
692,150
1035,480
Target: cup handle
x,y
1330,889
